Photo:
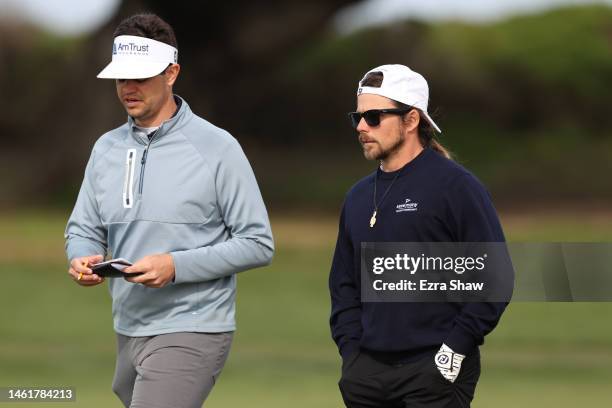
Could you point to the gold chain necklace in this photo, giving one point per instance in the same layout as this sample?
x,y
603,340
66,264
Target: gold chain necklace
x,y
373,219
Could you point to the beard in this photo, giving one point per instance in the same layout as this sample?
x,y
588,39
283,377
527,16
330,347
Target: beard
x,y
377,152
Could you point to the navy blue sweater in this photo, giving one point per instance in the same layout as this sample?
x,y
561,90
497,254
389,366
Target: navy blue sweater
x,y
452,206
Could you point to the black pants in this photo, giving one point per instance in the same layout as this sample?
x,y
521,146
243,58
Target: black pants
x,y
370,383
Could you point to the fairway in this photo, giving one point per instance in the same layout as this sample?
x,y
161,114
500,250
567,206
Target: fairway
x,y
54,333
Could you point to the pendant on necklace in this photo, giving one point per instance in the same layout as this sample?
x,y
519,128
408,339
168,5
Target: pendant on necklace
x,y
373,219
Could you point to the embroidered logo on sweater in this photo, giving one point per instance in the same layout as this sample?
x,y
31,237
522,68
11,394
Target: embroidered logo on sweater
x,y
408,205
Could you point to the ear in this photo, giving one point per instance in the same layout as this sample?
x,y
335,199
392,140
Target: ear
x,y
172,73
411,120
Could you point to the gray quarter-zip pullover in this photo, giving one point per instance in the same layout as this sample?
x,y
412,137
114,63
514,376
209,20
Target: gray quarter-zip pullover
x,y
189,191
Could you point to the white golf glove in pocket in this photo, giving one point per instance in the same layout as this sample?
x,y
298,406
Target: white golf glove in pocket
x,y
448,362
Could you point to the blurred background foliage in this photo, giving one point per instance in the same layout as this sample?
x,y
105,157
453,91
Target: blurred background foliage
x,y
522,102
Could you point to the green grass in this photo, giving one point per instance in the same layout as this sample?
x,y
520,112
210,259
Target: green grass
x,y
54,333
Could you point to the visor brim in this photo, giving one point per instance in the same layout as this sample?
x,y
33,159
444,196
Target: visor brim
x,y
132,70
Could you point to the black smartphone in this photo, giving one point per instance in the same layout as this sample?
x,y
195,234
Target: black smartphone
x,y
113,269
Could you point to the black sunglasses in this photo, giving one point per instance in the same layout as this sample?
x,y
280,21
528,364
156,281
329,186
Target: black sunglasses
x,y
372,116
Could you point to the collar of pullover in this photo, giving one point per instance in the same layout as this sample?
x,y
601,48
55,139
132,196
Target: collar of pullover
x,y
405,169
177,120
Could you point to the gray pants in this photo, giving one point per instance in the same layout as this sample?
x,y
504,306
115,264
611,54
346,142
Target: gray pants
x,y
175,370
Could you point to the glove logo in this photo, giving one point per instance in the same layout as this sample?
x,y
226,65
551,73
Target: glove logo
x,y
442,359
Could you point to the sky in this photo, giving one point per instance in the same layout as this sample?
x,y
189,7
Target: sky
x,y
64,17
74,17
373,12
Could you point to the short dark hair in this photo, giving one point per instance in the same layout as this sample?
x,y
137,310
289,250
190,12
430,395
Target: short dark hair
x,y
147,25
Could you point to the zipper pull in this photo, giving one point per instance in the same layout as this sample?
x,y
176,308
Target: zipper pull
x,y
144,156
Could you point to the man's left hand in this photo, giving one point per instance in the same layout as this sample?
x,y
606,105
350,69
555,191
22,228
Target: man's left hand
x,y
448,362
157,270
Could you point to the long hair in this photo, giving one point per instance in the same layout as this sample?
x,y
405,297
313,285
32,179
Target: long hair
x,y
427,134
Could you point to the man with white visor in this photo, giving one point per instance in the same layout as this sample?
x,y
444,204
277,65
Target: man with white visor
x,y
176,197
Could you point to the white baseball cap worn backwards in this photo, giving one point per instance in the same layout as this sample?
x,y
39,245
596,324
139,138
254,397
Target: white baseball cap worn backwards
x,y
138,58
403,85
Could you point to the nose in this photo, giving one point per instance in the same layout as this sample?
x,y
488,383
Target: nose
x,y
362,126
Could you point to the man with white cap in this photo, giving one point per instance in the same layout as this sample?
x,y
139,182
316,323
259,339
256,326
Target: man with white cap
x,y
175,196
407,354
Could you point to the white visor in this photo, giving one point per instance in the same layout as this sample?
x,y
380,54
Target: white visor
x,y
138,57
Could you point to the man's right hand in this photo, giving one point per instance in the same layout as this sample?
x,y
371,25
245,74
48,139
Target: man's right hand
x,y
82,274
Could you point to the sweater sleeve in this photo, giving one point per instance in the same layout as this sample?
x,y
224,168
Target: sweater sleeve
x,y
85,234
474,220
241,205
345,318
